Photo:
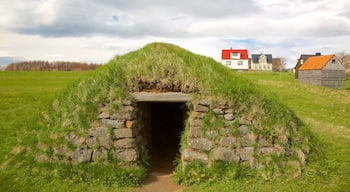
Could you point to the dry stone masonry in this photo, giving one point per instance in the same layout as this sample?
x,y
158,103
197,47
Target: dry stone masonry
x,y
116,135
236,139
215,132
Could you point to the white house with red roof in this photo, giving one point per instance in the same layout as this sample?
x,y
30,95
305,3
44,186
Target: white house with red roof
x,y
235,58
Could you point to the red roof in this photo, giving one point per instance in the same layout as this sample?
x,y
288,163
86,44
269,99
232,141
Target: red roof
x,y
316,62
226,53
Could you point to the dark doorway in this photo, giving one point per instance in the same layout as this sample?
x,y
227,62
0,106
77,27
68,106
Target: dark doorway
x,y
165,124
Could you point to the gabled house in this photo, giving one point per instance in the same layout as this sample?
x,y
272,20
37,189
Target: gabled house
x,y
261,62
236,59
324,70
302,59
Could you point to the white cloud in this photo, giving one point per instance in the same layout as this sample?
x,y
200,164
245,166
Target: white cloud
x,y
97,30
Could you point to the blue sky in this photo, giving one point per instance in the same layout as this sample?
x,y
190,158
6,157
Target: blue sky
x,y
96,31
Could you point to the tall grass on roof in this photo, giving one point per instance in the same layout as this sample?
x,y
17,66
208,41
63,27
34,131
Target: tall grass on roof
x,y
76,107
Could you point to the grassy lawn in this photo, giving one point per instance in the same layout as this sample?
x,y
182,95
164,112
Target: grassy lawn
x,y
24,95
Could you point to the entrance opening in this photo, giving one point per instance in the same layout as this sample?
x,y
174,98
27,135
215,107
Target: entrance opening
x,y
163,124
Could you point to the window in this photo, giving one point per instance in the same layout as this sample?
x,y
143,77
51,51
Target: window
x,y
228,62
239,62
235,55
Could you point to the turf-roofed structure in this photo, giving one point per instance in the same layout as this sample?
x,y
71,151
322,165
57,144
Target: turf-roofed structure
x,y
162,103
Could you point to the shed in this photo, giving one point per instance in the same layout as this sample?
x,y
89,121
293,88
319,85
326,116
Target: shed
x,y
324,70
302,59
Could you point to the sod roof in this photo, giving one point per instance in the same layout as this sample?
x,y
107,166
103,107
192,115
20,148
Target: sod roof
x,y
170,66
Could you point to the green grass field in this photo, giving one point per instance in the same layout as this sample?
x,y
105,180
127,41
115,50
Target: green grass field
x,y
24,95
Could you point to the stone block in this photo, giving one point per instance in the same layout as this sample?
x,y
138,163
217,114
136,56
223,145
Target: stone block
x,y
228,111
218,111
103,115
124,113
113,123
225,131
190,155
212,135
228,141
124,133
245,153
194,132
123,116
99,155
203,102
81,155
229,117
243,121
102,134
125,143
201,108
195,122
225,154
243,130
229,123
129,124
248,140
105,141
91,142
99,131
263,142
200,144
127,155
265,150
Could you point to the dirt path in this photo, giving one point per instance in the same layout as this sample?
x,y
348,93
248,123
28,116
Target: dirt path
x,y
159,182
160,178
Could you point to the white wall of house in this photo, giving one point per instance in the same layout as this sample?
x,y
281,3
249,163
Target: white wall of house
x,y
236,64
261,66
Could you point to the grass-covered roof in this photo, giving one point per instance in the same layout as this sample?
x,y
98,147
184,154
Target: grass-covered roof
x,y
168,64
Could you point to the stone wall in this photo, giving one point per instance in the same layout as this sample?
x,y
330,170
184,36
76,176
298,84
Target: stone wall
x,y
115,136
215,132
218,133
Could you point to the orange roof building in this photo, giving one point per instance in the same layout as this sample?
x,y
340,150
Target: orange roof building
x,y
325,70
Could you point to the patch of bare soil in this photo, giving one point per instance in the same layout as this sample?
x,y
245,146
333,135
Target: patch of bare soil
x,y
159,181
160,178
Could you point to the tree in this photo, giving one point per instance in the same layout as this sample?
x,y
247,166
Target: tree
x,y
283,63
344,58
279,64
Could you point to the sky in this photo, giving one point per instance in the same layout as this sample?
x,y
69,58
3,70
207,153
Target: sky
x,y
97,30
